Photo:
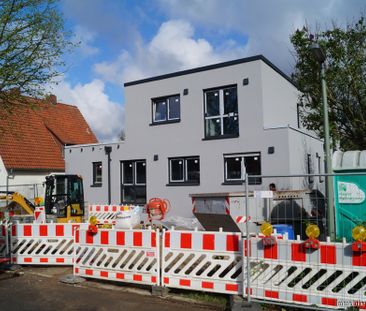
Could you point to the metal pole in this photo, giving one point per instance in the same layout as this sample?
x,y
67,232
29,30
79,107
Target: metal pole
x,y
247,237
328,159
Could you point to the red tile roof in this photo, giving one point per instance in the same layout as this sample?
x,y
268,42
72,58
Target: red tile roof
x,y
34,138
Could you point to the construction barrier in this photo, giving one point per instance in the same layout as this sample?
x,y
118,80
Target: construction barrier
x,y
331,276
47,244
204,261
105,214
3,240
118,255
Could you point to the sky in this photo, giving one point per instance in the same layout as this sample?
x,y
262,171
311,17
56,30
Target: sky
x,y
126,40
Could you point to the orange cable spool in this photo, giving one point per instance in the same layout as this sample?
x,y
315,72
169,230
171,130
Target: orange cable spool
x,y
157,208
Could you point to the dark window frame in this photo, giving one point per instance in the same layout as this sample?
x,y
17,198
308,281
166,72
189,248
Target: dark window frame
x,y
134,184
168,119
239,181
319,162
222,115
185,181
96,181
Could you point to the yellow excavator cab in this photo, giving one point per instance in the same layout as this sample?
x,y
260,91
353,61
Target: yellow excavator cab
x,y
64,197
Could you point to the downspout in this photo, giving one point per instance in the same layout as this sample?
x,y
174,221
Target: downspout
x,y
108,150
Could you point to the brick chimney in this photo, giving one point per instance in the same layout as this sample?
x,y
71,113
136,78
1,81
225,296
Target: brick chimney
x,y
52,99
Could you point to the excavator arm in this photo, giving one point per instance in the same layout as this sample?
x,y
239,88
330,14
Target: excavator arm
x,y
16,197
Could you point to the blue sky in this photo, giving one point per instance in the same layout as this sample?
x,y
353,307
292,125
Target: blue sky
x,y
125,40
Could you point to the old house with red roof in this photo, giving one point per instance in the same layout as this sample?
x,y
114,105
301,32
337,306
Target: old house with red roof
x,y
32,140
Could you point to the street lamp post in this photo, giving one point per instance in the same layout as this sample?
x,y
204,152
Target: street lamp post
x,y
319,55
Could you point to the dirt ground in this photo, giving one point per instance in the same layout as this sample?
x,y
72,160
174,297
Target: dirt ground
x,y
40,289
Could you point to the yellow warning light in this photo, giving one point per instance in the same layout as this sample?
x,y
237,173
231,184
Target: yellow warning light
x,y
359,233
312,231
266,229
93,220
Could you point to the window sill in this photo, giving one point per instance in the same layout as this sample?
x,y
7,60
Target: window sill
x,y
233,182
221,137
96,185
164,122
173,184
238,183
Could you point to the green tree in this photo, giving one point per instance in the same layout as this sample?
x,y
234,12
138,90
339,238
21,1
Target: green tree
x,y
345,73
32,41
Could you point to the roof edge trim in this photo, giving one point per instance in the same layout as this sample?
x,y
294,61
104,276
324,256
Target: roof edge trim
x,y
213,66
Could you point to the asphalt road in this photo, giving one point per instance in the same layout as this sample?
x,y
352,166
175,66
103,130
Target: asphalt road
x,y
40,289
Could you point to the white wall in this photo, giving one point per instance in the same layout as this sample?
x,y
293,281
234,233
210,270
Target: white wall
x,y
186,138
280,99
3,172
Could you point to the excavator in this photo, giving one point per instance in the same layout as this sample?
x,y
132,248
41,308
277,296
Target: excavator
x,y
63,200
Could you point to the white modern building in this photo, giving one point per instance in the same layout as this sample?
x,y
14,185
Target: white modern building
x,y
193,131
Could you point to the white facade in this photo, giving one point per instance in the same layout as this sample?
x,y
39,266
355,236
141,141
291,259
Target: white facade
x,y
267,130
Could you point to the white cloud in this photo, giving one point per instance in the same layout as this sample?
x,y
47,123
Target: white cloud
x,y
85,39
104,116
172,48
267,24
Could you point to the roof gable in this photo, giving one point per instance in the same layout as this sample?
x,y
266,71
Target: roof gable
x,y
34,138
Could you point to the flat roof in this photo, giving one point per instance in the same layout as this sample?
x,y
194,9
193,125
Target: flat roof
x,y
214,66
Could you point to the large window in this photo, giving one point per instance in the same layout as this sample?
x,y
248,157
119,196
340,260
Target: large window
x,y
97,173
166,109
184,170
237,164
133,183
221,112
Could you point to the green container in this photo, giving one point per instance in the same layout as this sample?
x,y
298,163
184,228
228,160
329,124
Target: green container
x,y
350,202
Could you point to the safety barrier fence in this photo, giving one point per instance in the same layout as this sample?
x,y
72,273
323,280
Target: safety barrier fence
x,y
105,214
3,240
48,244
205,261
131,256
330,276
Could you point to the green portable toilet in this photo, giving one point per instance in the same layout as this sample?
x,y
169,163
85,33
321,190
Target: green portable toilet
x,y
349,191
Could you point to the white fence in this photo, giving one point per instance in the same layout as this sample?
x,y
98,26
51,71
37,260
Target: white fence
x,y
120,255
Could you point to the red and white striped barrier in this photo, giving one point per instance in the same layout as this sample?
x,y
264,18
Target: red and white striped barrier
x,y
3,239
47,244
329,277
204,261
106,214
119,255
40,215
